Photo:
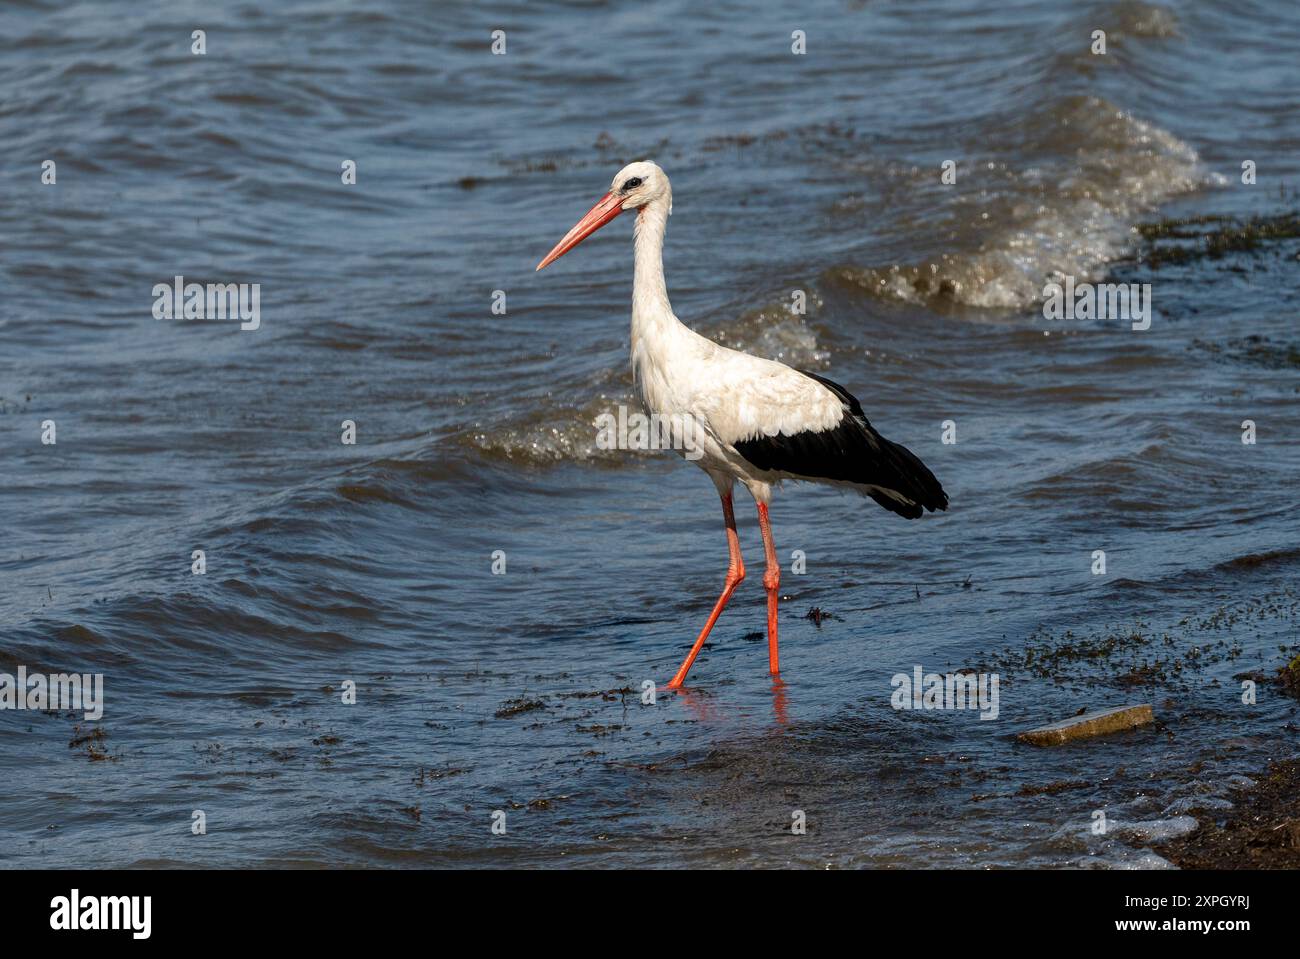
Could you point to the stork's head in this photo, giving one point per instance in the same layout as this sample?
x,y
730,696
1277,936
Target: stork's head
x,y
641,183
637,185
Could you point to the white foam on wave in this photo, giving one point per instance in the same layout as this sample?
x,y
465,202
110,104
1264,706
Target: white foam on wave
x,y
559,432
1092,169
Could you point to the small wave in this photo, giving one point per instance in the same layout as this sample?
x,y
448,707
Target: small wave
x,y
1153,830
552,434
1279,557
559,432
375,492
775,333
1255,349
1091,169
1149,21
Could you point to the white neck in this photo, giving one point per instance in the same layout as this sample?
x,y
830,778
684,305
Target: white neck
x,y
650,306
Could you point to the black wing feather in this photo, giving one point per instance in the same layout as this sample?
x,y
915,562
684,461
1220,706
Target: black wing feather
x,y
852,452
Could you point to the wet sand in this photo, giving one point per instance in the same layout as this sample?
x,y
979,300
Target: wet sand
x,y
1262,830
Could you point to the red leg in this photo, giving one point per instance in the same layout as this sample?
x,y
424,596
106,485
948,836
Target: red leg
x,y
771,582
735,573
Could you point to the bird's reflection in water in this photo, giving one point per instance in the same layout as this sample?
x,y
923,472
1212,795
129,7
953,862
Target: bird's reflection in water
x,y
780,703
704,709
697,703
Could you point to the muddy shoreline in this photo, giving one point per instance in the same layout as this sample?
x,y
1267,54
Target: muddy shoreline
x,y
1261,831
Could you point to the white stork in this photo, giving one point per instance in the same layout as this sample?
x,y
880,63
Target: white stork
x,y
752,420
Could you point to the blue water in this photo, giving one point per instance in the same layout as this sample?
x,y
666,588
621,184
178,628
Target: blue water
x,y
372,563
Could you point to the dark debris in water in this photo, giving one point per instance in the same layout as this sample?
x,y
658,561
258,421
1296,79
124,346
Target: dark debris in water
x,y
1053,788
524,704
1254,349
598,729
1138,656
1212,237
92,740
518,706
424,775
817,616
608,695
1286,679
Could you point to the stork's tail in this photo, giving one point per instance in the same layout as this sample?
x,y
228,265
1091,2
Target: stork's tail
x,y
888,472
913,489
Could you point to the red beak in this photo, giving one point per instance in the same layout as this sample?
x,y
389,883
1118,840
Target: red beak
x,y
606,208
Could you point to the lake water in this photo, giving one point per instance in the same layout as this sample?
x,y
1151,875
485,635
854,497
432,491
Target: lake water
x,y
371,564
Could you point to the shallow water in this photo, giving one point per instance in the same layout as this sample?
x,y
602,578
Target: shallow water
x,y
372,563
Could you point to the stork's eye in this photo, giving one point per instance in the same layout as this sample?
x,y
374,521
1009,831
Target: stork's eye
x,y
632,184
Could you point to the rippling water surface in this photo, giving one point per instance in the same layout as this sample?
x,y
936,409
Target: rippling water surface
x,y
372,563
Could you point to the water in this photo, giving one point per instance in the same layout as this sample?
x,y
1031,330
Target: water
x,y
371,563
